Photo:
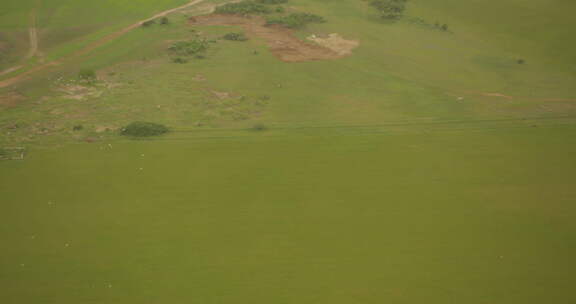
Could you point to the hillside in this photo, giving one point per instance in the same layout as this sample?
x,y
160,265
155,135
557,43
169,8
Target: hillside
x,y
287,151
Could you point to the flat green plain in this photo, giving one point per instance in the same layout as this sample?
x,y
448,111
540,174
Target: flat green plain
x,y
449,217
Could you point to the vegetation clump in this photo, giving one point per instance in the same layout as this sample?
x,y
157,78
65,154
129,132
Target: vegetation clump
x,y
259,127
11,153
87,76
235,37
272,1
191,47
389,9
179,60
295,20
243,8
148,23
164,21
144,129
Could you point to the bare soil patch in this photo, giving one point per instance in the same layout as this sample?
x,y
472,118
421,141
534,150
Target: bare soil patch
x,y
282,41
10,99
336,43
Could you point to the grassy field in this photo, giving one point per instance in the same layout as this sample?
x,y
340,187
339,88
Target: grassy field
x,y
467,217
66,25
401,71
429,166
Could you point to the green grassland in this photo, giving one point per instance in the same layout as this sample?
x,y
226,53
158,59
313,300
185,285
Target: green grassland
x,y
394,175
402,71
67,25
463,217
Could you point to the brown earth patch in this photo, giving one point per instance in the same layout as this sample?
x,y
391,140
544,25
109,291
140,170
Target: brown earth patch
x,y
336,43
10,99
282,41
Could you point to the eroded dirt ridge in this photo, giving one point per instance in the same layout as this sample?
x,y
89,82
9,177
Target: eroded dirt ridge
x,y
282,41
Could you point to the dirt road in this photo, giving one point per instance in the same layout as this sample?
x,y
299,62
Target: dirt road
x,y
33,36
34,46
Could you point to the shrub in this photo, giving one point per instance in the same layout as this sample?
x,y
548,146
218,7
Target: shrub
x,y
235,37
296,20
148,23
389,9
77,127
520,61
87,75
259,127
279,9
179,60
164,21
187,48
272,1
144,129
243,8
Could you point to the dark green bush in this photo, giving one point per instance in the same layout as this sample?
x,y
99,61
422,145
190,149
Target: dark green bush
x,y
164,21
187,48
259,127
272,1
144,129
235,37
179,60
389,9
243,8
87,75
148,23
295,20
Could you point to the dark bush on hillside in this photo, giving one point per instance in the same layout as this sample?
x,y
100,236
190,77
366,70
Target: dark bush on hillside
x,y
389,9
144,129
188,48
243,8
164,21
520,61
259,127
87,75
148,23
295,20
179,60
235,37
272,1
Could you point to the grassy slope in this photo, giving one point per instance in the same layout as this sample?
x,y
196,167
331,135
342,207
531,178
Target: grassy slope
x,y
66,25
400,72
466,217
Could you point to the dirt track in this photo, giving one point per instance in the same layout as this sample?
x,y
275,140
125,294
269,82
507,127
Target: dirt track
x,y
14,80
33,36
